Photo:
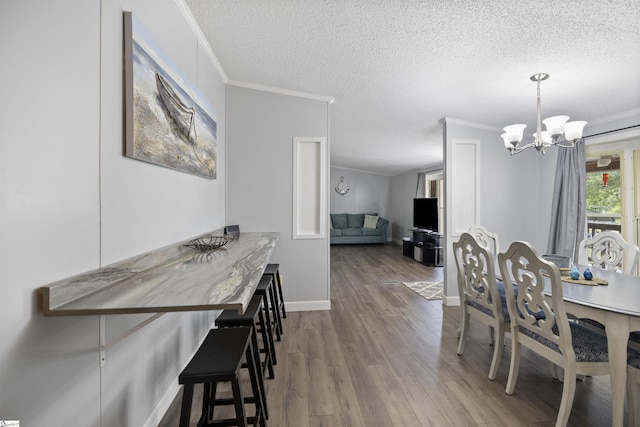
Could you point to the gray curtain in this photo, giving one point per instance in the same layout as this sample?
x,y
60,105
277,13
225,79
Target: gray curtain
x,y
421,187
568,212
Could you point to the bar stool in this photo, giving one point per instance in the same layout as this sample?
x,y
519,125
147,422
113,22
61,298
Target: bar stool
x,y
219,359
253,317
265,289
273,271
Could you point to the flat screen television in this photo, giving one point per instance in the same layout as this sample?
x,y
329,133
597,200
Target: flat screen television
x,y
425,213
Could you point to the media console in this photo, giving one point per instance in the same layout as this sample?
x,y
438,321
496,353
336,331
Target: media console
x,y
424,247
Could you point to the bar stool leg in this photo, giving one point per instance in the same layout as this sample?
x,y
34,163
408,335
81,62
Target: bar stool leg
x,y
274,310
241,417
208,396
258,396
269,328
185,412
281,302
259,372
267,345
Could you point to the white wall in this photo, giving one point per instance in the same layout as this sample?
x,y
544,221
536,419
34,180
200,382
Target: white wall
x,y
508,196
369,192
403,191
70,202
260,131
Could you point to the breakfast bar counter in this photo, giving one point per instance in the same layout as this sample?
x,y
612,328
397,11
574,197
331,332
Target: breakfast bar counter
x,y
173,278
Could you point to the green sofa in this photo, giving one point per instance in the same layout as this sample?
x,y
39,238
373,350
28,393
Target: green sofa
x,y
349,229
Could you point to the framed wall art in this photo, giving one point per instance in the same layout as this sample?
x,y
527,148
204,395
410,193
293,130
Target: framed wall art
x,y
168,120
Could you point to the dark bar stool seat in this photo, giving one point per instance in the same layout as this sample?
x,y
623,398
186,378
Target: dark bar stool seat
x,y
219,359
265,288
273,271
253,317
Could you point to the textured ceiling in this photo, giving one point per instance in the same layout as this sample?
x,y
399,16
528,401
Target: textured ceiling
x,y
396,67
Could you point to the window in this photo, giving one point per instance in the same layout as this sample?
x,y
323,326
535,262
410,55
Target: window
x,y
604,194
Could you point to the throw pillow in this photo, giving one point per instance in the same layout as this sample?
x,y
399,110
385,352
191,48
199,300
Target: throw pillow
x,y
355,220
370,221
339,220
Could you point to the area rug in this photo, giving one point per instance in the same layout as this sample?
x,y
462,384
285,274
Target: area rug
x,y
429,290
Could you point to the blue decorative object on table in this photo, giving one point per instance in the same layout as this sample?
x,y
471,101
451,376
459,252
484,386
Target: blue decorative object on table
x,y
574,273
588,275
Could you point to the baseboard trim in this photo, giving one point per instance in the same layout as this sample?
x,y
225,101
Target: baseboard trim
x,y
308,305
163,405
451,301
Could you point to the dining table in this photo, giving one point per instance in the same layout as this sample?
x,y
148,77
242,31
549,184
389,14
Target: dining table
x,y
616,305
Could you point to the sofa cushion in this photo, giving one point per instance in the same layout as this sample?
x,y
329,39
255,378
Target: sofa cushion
x,y
339,220
352,231
355,220
370,221
371,232
336,232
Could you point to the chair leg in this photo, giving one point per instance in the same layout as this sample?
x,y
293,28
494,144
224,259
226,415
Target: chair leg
x,y
633,396
568,394
497,353
492,335
514,367
464,331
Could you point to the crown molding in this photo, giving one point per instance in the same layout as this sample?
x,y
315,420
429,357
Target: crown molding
x,y
281,91
617,116
202,40
480,126
360,170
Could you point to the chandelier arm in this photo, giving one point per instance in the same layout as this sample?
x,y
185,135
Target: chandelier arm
x,y
565,144
520,148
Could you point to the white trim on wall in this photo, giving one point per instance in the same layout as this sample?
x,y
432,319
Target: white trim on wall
x,y
465,185
308,306
309,188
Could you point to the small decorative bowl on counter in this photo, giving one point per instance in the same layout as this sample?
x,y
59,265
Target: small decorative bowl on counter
x,y
206,244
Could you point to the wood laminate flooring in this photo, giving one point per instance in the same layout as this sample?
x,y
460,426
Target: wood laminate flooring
x,y
384,356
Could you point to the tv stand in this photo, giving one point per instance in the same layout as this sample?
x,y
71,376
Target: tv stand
x,y
424,247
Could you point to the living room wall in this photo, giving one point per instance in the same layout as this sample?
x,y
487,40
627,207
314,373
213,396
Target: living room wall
x,y
369,192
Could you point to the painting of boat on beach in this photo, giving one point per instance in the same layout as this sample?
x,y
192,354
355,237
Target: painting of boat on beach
x,y
169,122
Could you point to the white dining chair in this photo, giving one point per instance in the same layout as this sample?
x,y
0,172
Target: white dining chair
x,y
489,241
480,299
608,250
485,238
540,323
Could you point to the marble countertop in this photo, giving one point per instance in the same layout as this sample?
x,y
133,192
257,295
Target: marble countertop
x,y
173,278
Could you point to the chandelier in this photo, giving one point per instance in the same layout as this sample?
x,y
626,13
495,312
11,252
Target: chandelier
x,y
557,127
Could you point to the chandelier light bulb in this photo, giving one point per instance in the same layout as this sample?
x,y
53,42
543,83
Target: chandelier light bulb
x,y
515,132
505,138
544,136
555,125
573,130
